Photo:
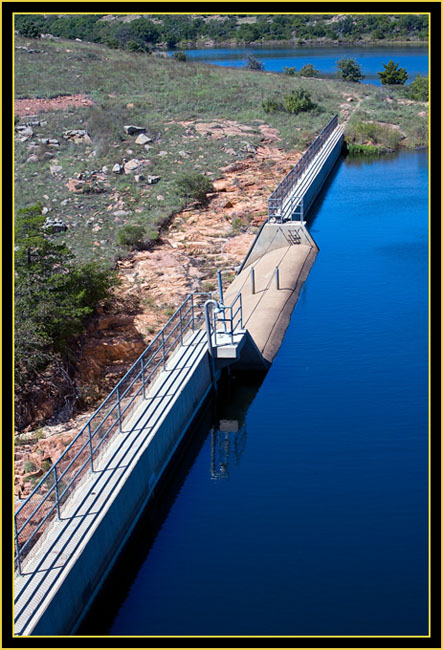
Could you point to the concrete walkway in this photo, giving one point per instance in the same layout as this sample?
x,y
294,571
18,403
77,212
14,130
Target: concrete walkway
x,y
56,553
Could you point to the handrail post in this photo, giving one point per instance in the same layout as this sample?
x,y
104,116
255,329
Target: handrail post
x,y
57,503
252,280
231,324
142,361
181,325
192,311
163,349
277,277
17,547
208,335
220,286
117,392
90,447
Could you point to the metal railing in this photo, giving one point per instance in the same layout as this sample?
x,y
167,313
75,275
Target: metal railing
x,y
45,500
276,210
227,319
223,321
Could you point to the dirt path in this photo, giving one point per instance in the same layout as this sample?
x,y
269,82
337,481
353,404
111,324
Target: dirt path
x,y
26,107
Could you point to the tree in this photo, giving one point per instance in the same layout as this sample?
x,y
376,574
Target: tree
x,y
254,64
53,294
392,75
349,70
419,89
29,29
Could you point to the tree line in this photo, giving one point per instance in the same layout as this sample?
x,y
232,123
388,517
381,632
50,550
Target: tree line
x,y
146,32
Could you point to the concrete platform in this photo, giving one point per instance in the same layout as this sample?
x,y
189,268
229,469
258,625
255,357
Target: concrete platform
x,y
266,314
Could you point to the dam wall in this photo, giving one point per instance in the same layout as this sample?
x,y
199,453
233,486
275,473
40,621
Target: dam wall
x,y
60,576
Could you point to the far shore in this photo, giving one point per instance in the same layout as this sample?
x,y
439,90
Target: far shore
x,y
293,44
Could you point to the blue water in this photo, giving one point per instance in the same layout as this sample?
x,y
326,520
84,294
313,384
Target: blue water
x,y
311,519
371,58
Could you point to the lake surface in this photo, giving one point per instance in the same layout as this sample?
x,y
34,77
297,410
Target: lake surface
x,y
302,508
371,58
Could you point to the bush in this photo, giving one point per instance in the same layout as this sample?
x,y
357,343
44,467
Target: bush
x,y
254,64
363,149
309,70
291,72
179,56
419,89
194,186
132,236
371,133
298,101
349,70
272,106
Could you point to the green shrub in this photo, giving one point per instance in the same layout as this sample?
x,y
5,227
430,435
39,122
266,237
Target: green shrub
x,y
291,72
309,70
194,186
46,465
254,64
371,133
298,101
272,106
132,236
29,467
179,56
365,149
419,89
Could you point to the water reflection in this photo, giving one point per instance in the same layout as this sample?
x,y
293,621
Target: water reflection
x,y
222,423
228,434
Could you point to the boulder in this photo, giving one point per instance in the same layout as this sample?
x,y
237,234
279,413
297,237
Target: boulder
x,y
117,169
132,165
55,169
153,179
77,136
143,139
24,133
130,129
55,225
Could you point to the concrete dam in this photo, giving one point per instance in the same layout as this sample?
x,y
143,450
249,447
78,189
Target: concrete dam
x,y
70,530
